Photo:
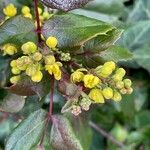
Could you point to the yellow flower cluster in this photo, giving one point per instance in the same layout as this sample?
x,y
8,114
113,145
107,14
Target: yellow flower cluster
x,y
32,63
90,80
10,10
105,81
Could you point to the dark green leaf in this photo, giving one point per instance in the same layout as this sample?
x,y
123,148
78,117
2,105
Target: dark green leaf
x,y
17,30
12,103
116,53
74,30
62,136
28,133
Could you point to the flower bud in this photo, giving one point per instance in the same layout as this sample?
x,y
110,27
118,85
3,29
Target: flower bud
x,y
107,93
15,70
37,56
37,77
9,49
25,10
96,96
31,70
85,103
51,42
119,84
29,48
127,83
15,79
117,96
110,64
46,15
121,72
76,110
123,91
13,63
129,90
49,59
40,10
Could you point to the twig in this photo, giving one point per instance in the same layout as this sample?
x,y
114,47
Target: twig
x,y
38,30
51,98
105,134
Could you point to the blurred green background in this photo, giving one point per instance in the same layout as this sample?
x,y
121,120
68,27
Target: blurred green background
x,y
129,120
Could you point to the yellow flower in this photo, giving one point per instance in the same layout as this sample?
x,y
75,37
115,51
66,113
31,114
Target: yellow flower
x,y
91,81
77,76
37,77
52,42
29,48
54,69
96,96
25,10
9,49
107,93
10,10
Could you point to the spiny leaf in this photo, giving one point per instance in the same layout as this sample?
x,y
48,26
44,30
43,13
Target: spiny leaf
x,y
28,133
62,136
65,5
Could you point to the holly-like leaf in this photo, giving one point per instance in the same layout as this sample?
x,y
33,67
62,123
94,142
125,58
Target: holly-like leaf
x,y
116,53
28,133
26,87
12,103
17,30
62,136
74,30
65,5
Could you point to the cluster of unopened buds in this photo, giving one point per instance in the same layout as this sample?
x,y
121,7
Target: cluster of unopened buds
x,y
98,84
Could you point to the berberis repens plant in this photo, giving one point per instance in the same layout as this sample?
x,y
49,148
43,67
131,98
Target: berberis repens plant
x,y
55,52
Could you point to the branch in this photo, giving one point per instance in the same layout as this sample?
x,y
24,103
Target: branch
x,y
105,134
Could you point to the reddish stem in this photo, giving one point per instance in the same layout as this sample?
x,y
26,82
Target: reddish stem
x,y
40,147
38,29
51,98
